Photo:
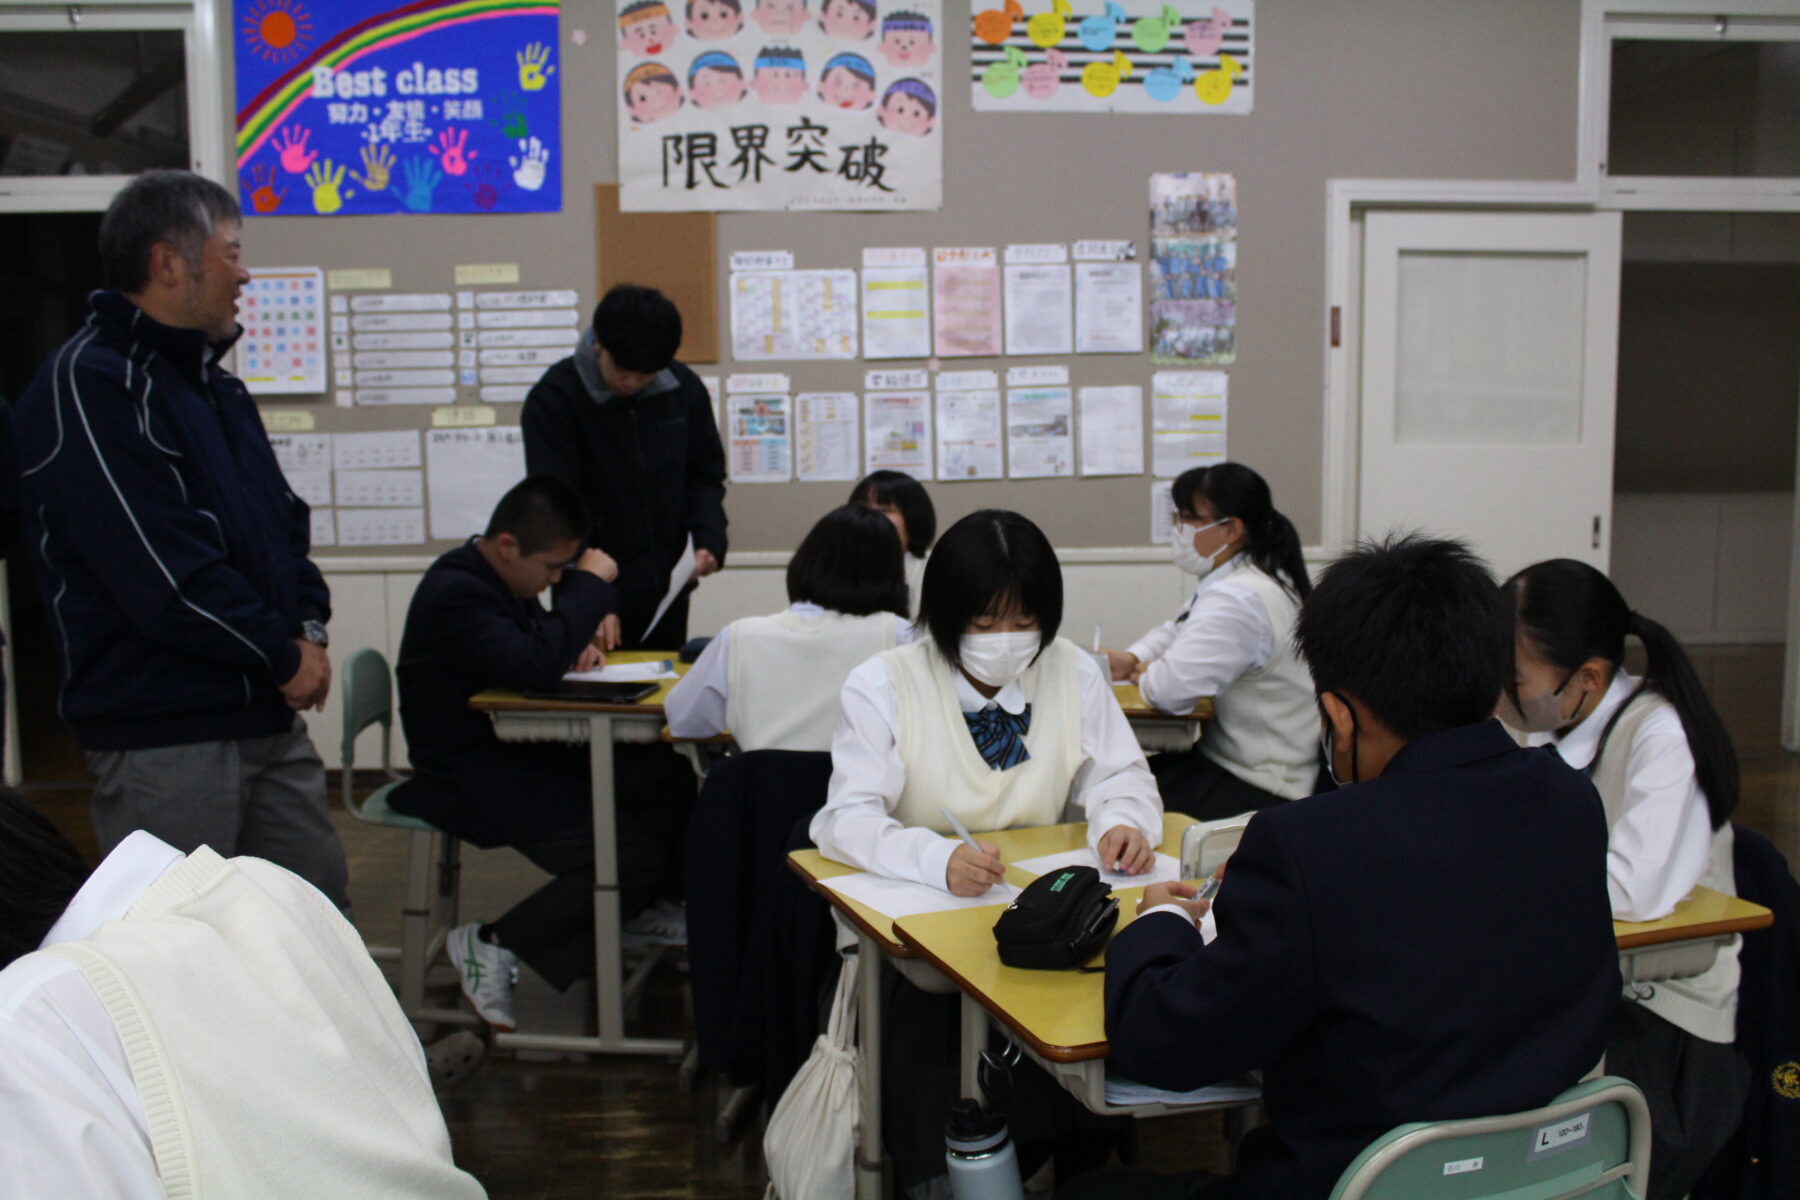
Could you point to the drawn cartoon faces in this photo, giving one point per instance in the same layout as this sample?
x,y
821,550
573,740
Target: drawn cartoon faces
x,y
651,93
646,28
848,83
852,20
780,16
780,75
906,39
714,20
714,81
909,107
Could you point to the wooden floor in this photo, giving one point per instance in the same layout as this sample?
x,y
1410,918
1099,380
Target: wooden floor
x,y
623,1128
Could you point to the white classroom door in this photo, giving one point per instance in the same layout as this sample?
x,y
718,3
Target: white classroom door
x,y
1489,354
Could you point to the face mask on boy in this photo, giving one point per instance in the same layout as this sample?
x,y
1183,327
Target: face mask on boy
x,y
996,659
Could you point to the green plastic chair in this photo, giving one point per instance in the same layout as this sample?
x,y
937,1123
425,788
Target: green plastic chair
x,y
431,904
1593,1140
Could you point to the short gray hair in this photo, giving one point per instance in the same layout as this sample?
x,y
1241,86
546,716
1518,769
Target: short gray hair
x,y
160,206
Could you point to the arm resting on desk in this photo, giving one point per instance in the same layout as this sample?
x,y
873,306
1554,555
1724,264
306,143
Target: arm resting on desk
x,y
1113,785
470,626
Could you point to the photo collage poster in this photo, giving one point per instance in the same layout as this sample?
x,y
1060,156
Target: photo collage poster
x,y
1193,269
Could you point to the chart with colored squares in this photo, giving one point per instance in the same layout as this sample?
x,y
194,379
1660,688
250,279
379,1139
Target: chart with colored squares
x,y
282,347
367,107
1122,56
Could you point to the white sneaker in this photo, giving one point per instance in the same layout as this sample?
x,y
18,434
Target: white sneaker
x,y
662,924
487,973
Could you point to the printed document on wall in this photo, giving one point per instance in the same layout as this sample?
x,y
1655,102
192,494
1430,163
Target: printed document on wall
x,y
897,432
1112,430
896,312
965,301
466,473
827,436
1109,308
968,435
793,314
1188,413
1040,432
761,451
1039,309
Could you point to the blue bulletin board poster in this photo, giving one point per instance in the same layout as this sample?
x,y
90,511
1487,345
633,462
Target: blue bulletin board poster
x,y
364,107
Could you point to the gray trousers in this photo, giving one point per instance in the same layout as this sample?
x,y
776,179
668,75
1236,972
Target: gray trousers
x,y
263,797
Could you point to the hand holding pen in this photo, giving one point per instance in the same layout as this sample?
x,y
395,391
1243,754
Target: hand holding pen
x,y
974,866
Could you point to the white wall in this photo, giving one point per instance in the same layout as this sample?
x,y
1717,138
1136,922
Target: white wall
x,y
1712,567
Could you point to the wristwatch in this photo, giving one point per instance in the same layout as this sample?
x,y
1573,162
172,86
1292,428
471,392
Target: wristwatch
x,y
314,632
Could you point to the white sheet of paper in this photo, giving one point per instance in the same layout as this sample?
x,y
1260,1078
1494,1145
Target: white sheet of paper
x,y
899,898
897,432
311,484
826,436
758,428
1162,511
1165,870
968,435
282,346
679,575
1189,412
793,314
466,472
381,526
301,452
324,527
361,451
1039,310
1126,1092
1112,430
625,673
1109,308
1040,432
896,312
393,488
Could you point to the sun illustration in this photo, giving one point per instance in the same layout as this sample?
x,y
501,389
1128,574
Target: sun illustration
x,y
279,30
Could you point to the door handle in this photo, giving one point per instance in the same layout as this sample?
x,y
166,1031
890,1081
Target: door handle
x,y
1596,531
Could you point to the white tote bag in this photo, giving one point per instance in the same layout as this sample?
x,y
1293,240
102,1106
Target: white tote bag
x,y
810,1144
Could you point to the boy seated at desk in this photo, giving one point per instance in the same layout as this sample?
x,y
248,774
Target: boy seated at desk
x,y
1431,941
475,623
774,681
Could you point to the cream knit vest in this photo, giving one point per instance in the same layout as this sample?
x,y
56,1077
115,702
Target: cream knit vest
x,y
269,1054
945,770
786,673
1706,1004
1265,726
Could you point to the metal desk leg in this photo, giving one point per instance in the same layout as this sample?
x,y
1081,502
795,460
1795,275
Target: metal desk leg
x,y
868,1074
609,969
974,1040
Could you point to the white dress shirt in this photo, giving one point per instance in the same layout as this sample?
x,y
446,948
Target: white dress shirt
x,y
73,1123
1112,786
1221,634
695,707
1659,845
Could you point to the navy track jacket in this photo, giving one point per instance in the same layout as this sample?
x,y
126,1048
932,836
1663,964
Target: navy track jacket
x,y
171,554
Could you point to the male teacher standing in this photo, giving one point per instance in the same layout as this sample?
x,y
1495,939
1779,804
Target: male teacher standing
x,y
172,555
633,430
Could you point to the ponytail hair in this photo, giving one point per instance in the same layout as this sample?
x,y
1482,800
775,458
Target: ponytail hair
x,y
1234,490
1571,612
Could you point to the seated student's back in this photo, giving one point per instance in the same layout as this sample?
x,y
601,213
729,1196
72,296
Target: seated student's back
x,y
774,681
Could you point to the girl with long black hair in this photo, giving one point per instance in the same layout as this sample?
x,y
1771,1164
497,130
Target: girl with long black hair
x,y
1667,774
1233,642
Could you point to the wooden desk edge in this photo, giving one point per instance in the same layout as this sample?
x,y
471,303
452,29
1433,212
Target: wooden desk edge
x,y
890,947
1061,1054
512,702
1689,933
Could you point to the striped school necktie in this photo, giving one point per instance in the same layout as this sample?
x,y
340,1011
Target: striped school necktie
x,y
1000,736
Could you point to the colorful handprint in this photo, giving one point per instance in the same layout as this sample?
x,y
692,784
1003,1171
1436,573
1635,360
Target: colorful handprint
x,y
534,68
378,168
451,151
528,167
512,116
325,181
420,177
264,198
295,158
485,185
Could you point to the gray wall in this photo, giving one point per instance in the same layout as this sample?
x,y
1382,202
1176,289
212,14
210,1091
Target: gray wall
x,y
1464,89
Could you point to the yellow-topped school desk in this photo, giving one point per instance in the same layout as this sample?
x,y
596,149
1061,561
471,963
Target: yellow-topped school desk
x,y
877,938
1683,944
573,722
1160,731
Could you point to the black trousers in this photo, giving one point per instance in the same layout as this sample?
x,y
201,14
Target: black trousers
x,y
1194,784
1696,1090
552,930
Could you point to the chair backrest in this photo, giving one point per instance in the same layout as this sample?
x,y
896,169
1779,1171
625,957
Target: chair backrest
x,y
368,697
1592,1140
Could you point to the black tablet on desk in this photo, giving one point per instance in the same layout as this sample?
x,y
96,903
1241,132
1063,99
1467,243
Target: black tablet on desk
x,y
587,691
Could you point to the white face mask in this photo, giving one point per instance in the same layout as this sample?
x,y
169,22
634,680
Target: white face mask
x,y
997,659
1539,714
1181,544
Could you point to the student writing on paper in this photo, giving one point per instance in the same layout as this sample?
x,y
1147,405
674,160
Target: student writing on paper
x,y
904,501
475,623
1430,941
633,430
774,681
1232,641
992,717
1668,775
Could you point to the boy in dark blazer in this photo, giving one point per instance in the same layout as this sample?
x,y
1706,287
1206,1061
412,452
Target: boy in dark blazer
x,y
1431,941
